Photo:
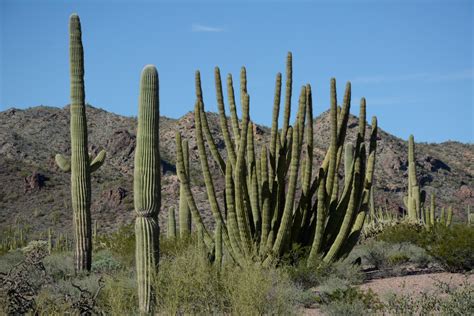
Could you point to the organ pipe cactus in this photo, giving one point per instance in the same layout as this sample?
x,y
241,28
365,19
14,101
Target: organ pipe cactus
x,y
415,198
469,217
449,217
147,188
171,231
81,165
184,213
264,214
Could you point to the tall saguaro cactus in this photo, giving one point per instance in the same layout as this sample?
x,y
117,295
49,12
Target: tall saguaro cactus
x,y
147,188
80,164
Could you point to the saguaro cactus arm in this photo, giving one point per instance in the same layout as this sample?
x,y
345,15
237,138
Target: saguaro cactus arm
x,y
98,161
63,163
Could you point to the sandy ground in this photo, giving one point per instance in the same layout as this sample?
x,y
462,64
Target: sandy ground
x,y
414,284
407,285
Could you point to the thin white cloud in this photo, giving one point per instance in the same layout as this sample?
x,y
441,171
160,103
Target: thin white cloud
x,y
205,28
467,74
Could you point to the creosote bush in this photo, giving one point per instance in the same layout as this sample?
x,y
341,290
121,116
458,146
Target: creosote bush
x,y
450,246
189,285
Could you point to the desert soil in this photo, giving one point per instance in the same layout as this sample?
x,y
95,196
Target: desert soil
x,y
407,285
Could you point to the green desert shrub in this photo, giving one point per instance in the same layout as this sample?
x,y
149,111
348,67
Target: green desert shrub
x,y
256,290
450,246
352,301
173,247
119,295
391,256
105,262
59,265
308,277
188,284
9,259
50,302
121,243
444,300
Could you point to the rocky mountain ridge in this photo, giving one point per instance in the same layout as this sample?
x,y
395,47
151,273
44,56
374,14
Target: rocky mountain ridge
x,y
35,192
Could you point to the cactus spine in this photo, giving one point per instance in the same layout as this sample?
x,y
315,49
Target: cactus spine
x,y
81,165
147,188
264,215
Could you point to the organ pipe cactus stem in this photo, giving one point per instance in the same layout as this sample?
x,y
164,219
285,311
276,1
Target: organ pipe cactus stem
x,y
222,117
469,215
367,183
333,144
274,130
205,126
171,232
284,229
288,89
432,210
50,241
184,213
233,109
218,240
441,218
242,217
353,204
413,201
199,117
147,188
81,165
184,180
449,217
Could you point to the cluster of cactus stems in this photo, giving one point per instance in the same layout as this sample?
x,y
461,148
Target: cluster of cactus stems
x,y
417,212
415,199
81,165
147,188
13,237
261,216
429,215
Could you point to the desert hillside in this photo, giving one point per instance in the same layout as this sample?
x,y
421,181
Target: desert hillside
x,y
35,192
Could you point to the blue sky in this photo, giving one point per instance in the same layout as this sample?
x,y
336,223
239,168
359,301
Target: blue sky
x,y
412,60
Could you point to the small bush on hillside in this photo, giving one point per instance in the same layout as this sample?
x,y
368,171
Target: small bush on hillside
x,y
384,255
451,246
308,277
352,301
59,265
121,243
104,262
